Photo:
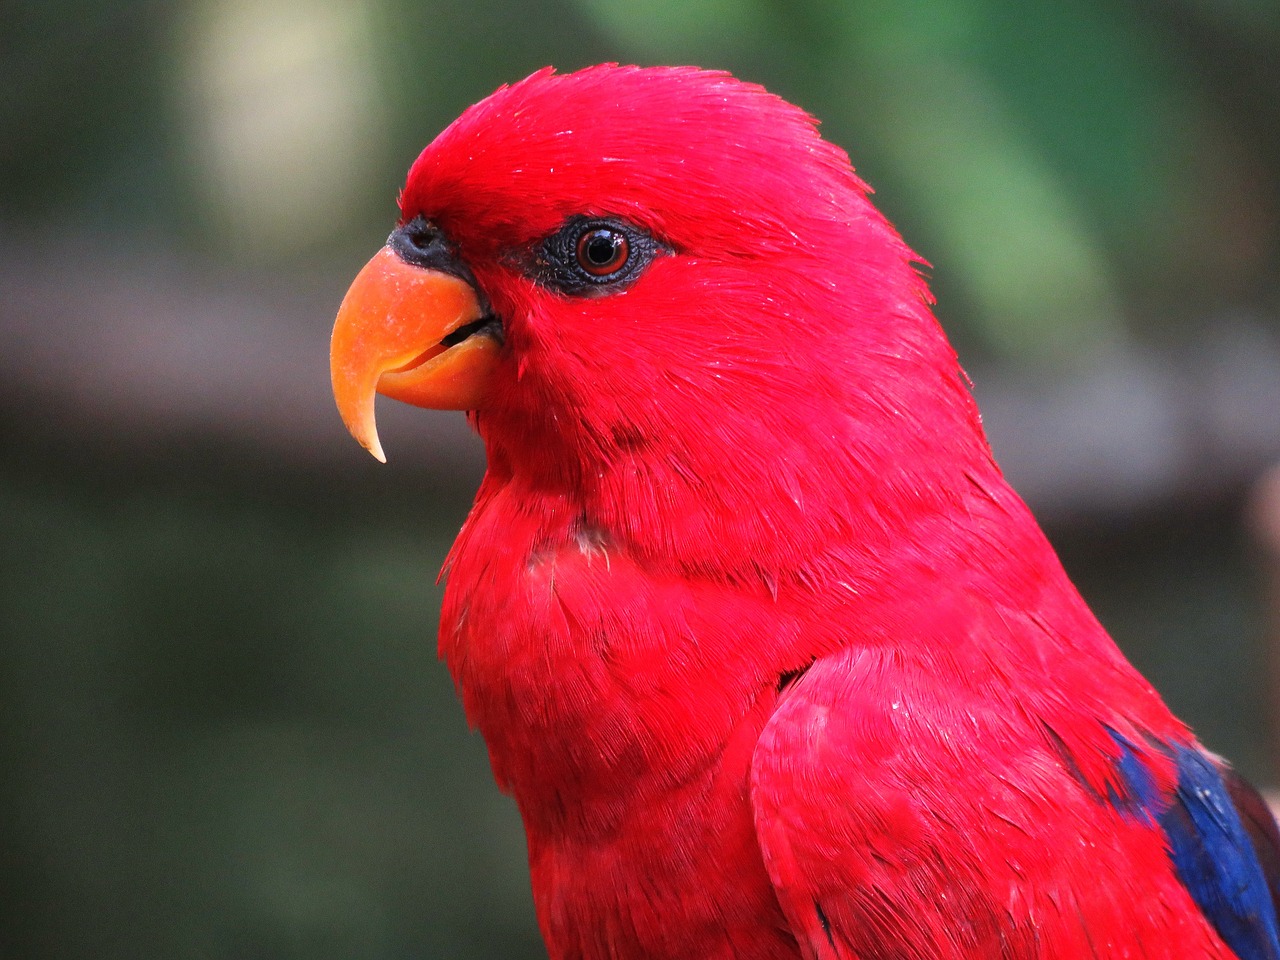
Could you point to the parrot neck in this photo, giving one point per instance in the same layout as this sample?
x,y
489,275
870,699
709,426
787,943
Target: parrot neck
x,y
857,564
771,497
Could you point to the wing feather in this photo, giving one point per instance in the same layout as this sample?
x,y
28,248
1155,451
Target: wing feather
x,y
901,817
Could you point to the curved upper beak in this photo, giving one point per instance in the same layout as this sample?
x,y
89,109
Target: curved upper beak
x,y
414,334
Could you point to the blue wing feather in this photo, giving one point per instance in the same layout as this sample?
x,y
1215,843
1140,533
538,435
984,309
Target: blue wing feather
x,y
1216,861
1216,855
1259,824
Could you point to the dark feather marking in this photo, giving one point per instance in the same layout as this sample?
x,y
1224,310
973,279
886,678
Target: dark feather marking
x,y
1064,754
786,679
826,924
768,579
1088,938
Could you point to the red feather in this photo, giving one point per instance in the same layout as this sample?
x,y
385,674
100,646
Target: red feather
x,y
772,659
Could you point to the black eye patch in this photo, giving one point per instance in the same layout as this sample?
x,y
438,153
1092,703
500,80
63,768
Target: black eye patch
x,y
592,255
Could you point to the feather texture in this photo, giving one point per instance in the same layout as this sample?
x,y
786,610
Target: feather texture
x,y
772,659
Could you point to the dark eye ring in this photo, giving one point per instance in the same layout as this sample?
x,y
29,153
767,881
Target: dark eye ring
x,y
602,251
593,256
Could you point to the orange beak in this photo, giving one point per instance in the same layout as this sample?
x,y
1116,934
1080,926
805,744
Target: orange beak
x,y
393,336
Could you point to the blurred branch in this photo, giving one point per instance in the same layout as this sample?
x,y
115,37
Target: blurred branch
x,y
1140,427
143,348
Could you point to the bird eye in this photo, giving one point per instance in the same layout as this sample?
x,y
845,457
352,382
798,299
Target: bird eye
x,y
593,256
602,251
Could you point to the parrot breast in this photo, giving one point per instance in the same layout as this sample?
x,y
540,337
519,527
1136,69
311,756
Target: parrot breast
x,y
603,695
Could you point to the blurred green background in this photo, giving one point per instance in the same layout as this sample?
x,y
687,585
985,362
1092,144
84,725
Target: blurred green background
x,y
225,732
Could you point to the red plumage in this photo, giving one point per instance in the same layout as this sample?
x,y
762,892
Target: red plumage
x,y
773,661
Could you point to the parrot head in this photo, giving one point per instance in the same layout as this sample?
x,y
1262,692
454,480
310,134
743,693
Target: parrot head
x,y
660,290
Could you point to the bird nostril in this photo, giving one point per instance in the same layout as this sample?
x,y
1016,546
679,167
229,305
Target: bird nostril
x,y
419,241
419,234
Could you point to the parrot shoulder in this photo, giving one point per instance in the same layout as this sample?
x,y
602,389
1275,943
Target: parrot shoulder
x,y
904,812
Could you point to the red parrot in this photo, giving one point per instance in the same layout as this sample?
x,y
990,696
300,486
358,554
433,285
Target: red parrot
x,y
772,659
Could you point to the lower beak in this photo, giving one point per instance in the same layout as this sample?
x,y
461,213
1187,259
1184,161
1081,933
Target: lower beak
x,y
402,331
